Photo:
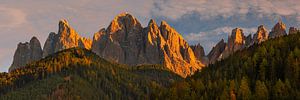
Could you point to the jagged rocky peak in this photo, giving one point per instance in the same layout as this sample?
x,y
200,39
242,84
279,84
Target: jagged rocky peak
x,y
216,52
153,32
49,45
278,30
293,30
237,40
249,40
198,51
124,22
126,41
237,36
26,53
66,38
261,34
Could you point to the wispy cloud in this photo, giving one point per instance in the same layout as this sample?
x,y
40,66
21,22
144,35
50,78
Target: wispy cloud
x,y
208,9
11,17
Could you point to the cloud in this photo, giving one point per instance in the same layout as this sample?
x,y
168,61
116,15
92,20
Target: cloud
x,y
209,9
11,17
211,38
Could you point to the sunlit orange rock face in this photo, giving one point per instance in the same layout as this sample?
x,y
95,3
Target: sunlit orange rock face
x,y
126,41
235,42
278,30
261,34
26,53
66,38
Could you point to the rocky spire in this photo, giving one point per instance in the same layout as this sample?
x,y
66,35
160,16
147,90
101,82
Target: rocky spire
x,y
126,41
216,52
198,51
278,30
26,53
235,42
249,40
66,38
293,30
261,34
50,43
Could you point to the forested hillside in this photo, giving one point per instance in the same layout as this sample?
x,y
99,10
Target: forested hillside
x,y
269,70
80,74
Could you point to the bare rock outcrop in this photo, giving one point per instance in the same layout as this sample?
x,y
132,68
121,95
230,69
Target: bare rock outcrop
x,y
278,30
249,40
26,53
199,53
216,52
66,38
261,35
126,41
235,42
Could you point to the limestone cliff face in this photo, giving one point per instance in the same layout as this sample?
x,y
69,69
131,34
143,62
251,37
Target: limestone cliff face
x,y
293,30
235,42
261,34
66,38
278,30
216,52
26,53
126,41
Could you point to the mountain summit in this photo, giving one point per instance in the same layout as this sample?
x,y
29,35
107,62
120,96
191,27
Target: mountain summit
x,y
126,41
26,53
66,38
278,30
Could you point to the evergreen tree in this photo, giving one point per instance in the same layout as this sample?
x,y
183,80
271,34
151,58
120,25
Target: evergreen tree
x,y
244,91
261,91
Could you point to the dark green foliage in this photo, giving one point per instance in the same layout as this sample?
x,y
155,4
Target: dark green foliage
x,y
80,74
269,70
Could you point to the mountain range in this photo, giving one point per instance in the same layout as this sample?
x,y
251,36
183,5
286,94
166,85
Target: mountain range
x,y
128,61
125,41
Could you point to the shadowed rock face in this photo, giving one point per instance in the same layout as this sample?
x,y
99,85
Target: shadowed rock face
x,y
126,41
293,30
249,40
278,30
198,51
66,38
26,53
216,52
261,35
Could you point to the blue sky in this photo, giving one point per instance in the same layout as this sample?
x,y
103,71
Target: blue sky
x,y
199,21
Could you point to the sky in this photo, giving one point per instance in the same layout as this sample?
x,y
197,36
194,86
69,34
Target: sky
x,y
199,21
